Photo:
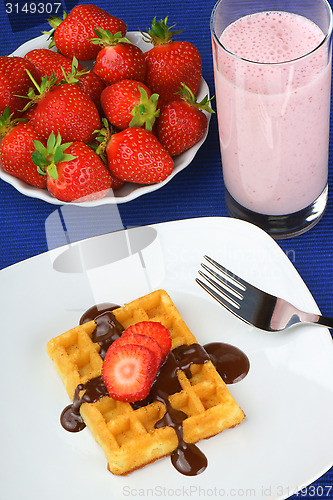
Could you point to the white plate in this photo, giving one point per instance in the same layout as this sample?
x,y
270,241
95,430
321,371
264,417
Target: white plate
x,y
284,443
129,191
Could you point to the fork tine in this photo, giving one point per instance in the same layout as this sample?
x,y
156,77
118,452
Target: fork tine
x,y
217,297
230,286
239,282
223,296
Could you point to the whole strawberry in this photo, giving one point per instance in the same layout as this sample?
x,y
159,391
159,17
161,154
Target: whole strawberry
x,y
73,171
182,123
169,62
50,64
72,35
93,86
135,155
118,58
86,80
14,83
68,111
129,103
16,149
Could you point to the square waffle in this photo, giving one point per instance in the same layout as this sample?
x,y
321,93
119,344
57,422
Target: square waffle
x,y
128,436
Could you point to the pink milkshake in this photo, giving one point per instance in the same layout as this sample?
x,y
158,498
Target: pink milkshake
x,y
272,88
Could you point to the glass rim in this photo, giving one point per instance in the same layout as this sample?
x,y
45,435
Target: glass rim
x,y
326,37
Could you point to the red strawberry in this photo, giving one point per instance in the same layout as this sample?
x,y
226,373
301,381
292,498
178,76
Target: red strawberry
x,y
93,86
135,155
170,63
14,82
72,35
50,64
116,183
148,342
128,372
129,103
68,111
155,330
182,124
29,113
87,81
119,59
74,171
16,149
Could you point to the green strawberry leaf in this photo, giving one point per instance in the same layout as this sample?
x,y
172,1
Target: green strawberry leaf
x,y
106,38
52,171
160,33
54,22
39,161
68,157
146,112
51,142
6,121
58,155
186,93
47,158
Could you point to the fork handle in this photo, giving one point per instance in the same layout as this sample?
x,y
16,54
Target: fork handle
x,y
315,318
325,320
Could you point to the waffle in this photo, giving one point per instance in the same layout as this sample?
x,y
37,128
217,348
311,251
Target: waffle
x,y
128,436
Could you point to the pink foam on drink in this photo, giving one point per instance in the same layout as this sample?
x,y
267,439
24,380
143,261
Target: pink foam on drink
x,y
272,37
273,118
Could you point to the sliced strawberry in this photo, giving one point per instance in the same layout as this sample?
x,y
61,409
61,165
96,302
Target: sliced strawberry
x,y
155,330
128,372
144,340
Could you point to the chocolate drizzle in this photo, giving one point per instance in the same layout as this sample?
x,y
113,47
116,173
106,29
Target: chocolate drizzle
x,y
70,417
230,362
108,329
186,458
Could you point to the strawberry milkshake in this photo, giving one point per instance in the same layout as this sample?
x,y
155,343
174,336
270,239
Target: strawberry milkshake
x,y
273,82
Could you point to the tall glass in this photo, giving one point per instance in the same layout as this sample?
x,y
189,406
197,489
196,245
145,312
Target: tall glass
x,y
272,67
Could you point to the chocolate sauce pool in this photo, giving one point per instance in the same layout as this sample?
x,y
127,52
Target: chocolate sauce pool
x,y
230,362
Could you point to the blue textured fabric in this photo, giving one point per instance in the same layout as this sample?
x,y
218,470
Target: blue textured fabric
x,y
196,191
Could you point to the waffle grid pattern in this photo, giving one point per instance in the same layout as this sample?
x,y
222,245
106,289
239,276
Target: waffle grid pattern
x,y
127,436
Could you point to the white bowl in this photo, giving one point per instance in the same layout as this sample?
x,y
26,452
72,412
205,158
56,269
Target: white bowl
x,y
129,191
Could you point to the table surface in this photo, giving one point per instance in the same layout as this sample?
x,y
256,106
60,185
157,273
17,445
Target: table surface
x,y
197,191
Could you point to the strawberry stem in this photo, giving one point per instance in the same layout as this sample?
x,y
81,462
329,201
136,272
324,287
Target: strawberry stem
x,y
7,123
47,157
54,22
75,75
159,33
42,89
187,95
146,112
103,138
106,38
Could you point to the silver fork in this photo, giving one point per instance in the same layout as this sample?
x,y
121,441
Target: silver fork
x,y
252,305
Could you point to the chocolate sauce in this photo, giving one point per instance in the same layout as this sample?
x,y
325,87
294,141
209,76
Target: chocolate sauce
x,y
186,458
230,362
70,418
108,329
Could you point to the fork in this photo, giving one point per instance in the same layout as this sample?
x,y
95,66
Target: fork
x,y
252,305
